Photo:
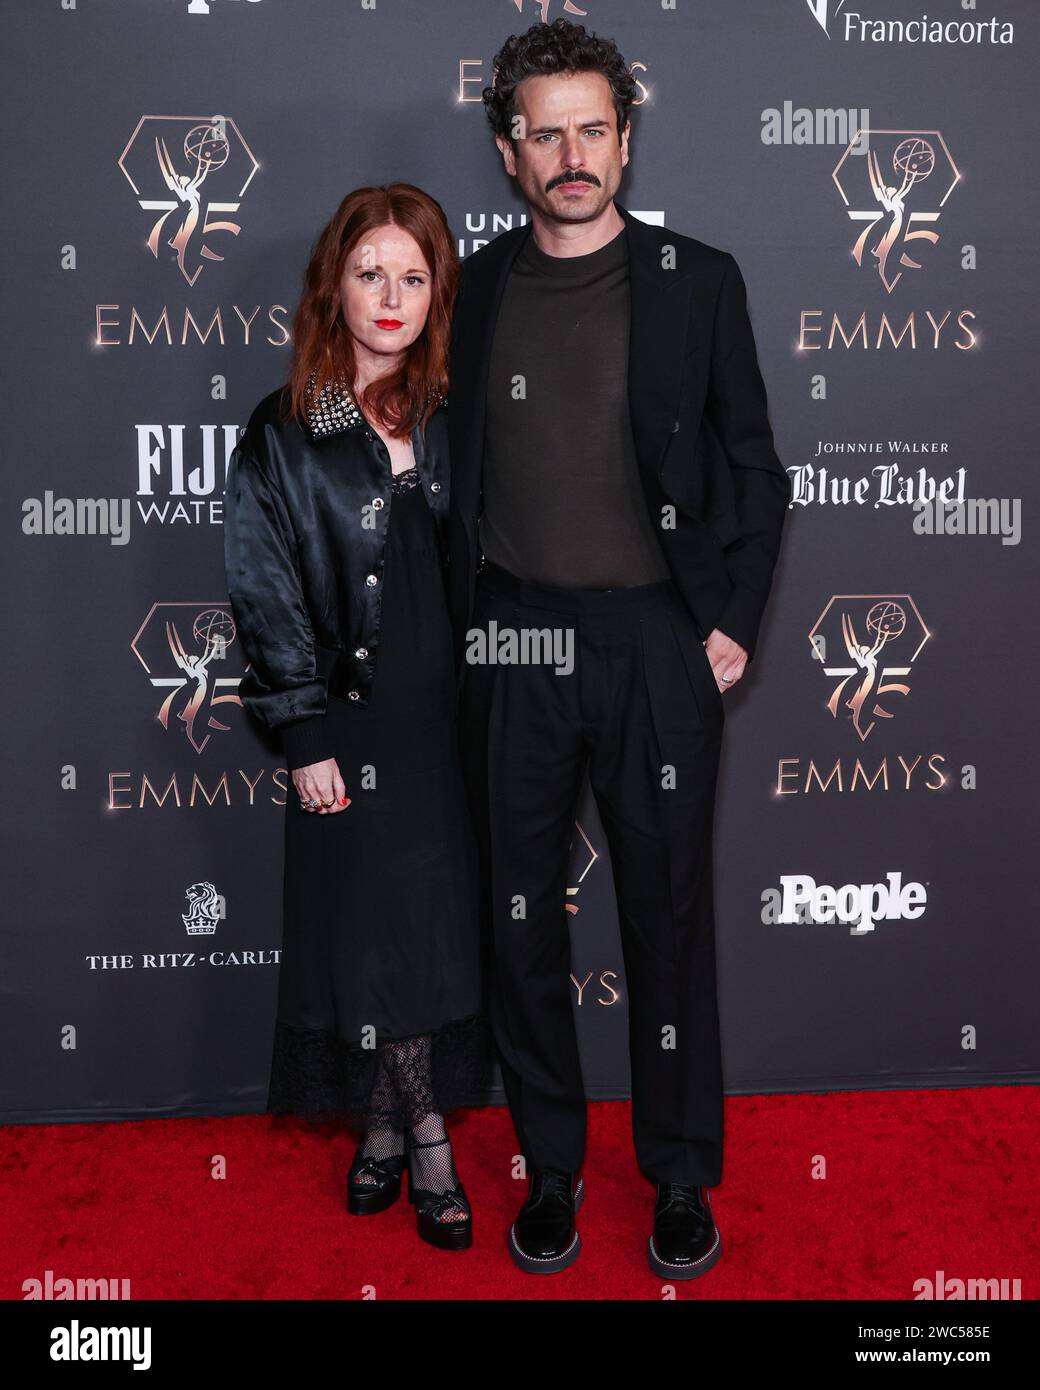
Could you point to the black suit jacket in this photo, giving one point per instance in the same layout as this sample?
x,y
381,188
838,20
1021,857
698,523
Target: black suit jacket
x,y
699,418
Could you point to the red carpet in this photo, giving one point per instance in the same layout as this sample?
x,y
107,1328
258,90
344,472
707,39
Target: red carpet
x,y
917,1181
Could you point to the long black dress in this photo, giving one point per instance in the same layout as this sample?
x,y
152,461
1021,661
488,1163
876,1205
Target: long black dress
x,y
379,997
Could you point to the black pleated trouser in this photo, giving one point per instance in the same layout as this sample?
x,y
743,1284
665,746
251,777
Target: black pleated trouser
x,y
642,711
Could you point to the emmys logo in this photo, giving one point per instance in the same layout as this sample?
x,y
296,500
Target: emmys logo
x,y
205,909
193,688
898,165
543,7
473,75
196,158
586,857
604,980
862,678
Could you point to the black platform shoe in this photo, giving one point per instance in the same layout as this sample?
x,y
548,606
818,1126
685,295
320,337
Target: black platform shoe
x,y
686,1241
543,1238
381,1186
436,1218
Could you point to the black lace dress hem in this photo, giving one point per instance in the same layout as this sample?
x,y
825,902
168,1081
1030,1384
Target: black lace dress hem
x,y
320,1077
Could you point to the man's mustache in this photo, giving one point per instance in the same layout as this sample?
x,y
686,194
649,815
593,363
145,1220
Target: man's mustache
x,y
576,177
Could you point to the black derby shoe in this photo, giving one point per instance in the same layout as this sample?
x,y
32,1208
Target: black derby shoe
x,y
542,1239
686,1241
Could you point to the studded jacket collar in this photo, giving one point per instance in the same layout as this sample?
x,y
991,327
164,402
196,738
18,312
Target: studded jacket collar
x,y
331,409
334,408
306,518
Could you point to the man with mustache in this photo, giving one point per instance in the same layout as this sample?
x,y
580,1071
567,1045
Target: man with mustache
x,y
614,475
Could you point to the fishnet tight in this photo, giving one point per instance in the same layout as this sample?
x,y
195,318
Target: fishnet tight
x,y
402,1096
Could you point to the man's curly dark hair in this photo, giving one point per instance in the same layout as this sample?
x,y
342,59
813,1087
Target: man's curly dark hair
x,y
546,49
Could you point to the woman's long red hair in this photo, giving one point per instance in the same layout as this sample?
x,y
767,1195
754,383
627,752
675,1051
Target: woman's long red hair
x,y
323,344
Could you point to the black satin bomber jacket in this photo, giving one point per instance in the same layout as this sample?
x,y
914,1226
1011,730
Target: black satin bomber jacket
x,y
306,517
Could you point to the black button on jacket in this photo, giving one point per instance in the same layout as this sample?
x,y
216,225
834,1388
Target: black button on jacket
x,y
306,517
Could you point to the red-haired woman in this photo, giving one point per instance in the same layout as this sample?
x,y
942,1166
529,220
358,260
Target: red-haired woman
x,y
335,522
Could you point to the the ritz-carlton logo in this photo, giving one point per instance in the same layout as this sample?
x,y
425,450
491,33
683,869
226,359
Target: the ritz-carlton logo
x,y
205,909
191,171
897,190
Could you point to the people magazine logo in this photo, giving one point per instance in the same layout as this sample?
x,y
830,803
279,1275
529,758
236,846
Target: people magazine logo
x,y
859,906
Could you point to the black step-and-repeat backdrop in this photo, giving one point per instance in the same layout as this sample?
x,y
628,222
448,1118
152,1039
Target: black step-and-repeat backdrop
x,y
872,167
